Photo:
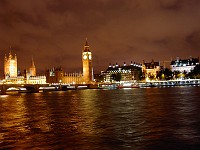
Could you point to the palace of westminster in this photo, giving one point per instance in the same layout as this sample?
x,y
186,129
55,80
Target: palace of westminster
x,y
53,75
131,72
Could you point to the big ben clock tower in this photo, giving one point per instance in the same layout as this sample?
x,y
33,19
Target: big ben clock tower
x,y
87,64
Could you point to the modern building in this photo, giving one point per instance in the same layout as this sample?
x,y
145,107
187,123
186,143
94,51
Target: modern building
x,y
122,73
57,75
150,69
10,66
184,65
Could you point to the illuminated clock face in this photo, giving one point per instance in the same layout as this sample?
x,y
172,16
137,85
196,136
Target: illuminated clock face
x,y
90,57
84,57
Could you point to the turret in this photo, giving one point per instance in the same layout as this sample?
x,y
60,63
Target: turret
x,y
10,66
32,68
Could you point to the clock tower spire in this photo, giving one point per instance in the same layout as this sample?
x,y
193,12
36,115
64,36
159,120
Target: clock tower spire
x,y
87,64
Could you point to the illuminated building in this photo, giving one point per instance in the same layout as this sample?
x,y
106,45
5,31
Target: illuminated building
x,y
36,80
10,66
31,77
87,64
122,73
11,73
150,70
54,75
10,70
184,65
57,75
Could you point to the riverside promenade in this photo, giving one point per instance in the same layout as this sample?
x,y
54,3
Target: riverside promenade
x,y
164,83
34,88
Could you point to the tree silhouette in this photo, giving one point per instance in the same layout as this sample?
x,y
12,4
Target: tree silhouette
x,y
195,73
165,74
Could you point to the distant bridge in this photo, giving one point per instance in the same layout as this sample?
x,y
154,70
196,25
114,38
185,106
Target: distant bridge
x,y
34,88
22,87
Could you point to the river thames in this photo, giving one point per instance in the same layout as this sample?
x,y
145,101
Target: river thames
x,y
138,119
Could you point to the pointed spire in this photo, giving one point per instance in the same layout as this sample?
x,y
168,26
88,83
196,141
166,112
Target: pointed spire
x,y
10,49
10,54
15,57
86,43
86,47
32,63
32,69
5,58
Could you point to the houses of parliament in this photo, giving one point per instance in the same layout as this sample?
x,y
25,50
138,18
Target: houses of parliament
x,y
125,73
57,75
52,75
14,76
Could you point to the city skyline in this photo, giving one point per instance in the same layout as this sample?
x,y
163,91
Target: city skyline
x,y
54,32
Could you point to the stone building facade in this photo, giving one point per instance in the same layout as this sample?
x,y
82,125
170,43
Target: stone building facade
x,y
184,65
57,75
150,69
10,66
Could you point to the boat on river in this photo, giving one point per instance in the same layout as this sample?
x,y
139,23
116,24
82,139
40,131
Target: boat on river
x,y
128,85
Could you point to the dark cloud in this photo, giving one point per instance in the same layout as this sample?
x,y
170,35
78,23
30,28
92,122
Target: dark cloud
x,y
193,40
54,32
171,4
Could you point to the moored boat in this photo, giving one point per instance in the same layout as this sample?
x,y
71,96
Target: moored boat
x,y
128,85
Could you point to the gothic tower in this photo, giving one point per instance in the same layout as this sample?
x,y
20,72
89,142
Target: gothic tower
x,y
32,69
87,64
10,66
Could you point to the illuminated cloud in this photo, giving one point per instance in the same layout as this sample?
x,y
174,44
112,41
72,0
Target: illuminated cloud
x,y
54,32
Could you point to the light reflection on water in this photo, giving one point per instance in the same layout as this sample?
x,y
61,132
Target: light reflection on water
x,y
151,118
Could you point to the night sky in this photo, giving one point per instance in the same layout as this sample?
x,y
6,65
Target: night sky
x,y
54,31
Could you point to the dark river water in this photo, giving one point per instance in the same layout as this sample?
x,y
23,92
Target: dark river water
x,y
138,119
